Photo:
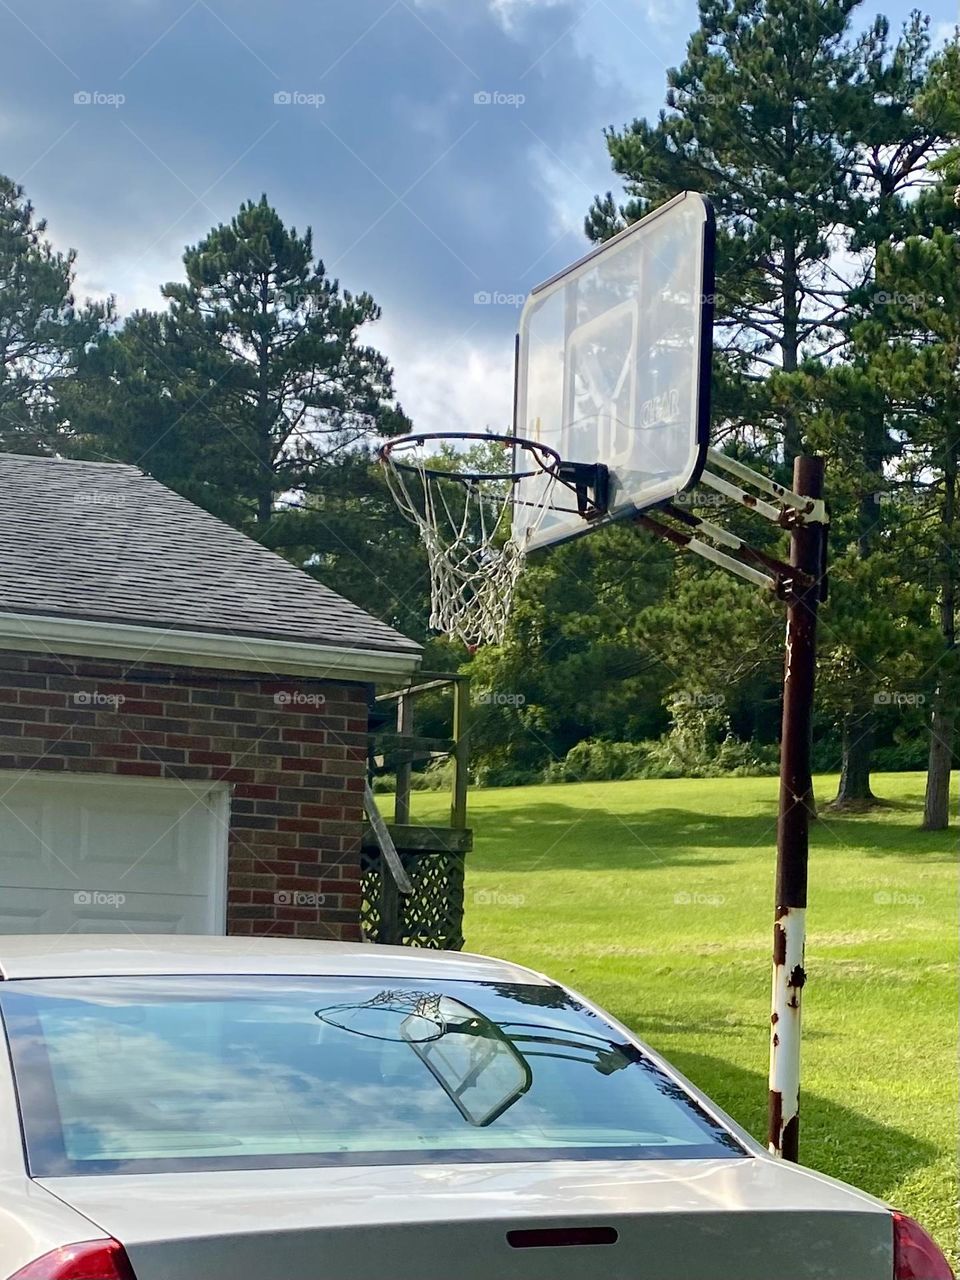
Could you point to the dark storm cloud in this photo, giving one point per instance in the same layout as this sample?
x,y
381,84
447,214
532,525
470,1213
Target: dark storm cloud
x,y
413,141
440,149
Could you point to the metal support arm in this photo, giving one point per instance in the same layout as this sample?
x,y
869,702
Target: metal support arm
x,y
754,566
688,542
790,509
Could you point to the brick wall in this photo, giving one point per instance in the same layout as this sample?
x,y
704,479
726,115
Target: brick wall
x,y
292,750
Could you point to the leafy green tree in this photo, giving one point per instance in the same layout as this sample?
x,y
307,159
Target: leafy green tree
x,y
605,633
148,394
254,395
576,662
43,331
906,455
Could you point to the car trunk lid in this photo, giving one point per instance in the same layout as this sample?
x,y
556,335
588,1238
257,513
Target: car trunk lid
x,y
748,1219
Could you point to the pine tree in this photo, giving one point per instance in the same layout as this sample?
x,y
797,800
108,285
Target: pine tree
x,y
807,141
253,382
43,331
876,623
752,122
914,345
903,128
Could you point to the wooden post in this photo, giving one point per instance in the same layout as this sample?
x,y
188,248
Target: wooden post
x,y
390,933
391,903
401,814
461,754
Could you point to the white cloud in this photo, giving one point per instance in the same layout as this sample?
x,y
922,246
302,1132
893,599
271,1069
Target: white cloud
x,y
508,11
569,188
464,384
135,284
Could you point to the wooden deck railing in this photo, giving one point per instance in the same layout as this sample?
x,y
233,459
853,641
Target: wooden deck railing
x,y
432,856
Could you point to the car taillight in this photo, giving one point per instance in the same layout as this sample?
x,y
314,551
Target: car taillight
x,y
915,1255
91,1260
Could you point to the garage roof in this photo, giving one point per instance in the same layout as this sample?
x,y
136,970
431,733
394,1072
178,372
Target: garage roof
x,y
107,543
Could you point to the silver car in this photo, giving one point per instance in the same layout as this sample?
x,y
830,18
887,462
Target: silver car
x,y
235,1109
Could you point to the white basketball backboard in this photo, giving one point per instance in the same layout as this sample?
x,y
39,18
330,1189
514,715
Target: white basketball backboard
x,y
614,367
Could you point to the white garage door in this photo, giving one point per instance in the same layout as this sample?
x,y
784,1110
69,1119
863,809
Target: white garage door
x,y
97,854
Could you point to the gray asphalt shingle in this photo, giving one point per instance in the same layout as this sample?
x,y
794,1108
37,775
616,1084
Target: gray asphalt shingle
x,y
103,541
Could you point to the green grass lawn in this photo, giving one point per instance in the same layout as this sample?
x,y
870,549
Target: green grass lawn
x,y
655,899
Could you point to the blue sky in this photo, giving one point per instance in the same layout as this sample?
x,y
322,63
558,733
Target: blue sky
x,y
416,191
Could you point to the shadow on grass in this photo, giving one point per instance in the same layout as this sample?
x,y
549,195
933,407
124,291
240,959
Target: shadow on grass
x,y
595,839
833,1139
651,1027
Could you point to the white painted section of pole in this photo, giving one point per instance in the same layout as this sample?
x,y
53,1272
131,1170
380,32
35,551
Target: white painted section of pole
x,y
788,980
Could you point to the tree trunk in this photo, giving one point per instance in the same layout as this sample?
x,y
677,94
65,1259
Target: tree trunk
x,y
792,300
790,347
859,723
936,808
857,752
265,480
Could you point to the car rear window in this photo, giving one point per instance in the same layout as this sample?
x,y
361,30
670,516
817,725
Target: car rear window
x,y
122,1075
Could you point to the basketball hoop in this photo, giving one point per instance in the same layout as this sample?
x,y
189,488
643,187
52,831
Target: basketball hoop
x,y
613,369
464,515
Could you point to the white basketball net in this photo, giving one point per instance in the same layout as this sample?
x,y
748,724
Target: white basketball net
x,y
465,525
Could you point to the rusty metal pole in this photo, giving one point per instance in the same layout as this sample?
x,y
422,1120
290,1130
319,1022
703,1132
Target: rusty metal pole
x,y
806,554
